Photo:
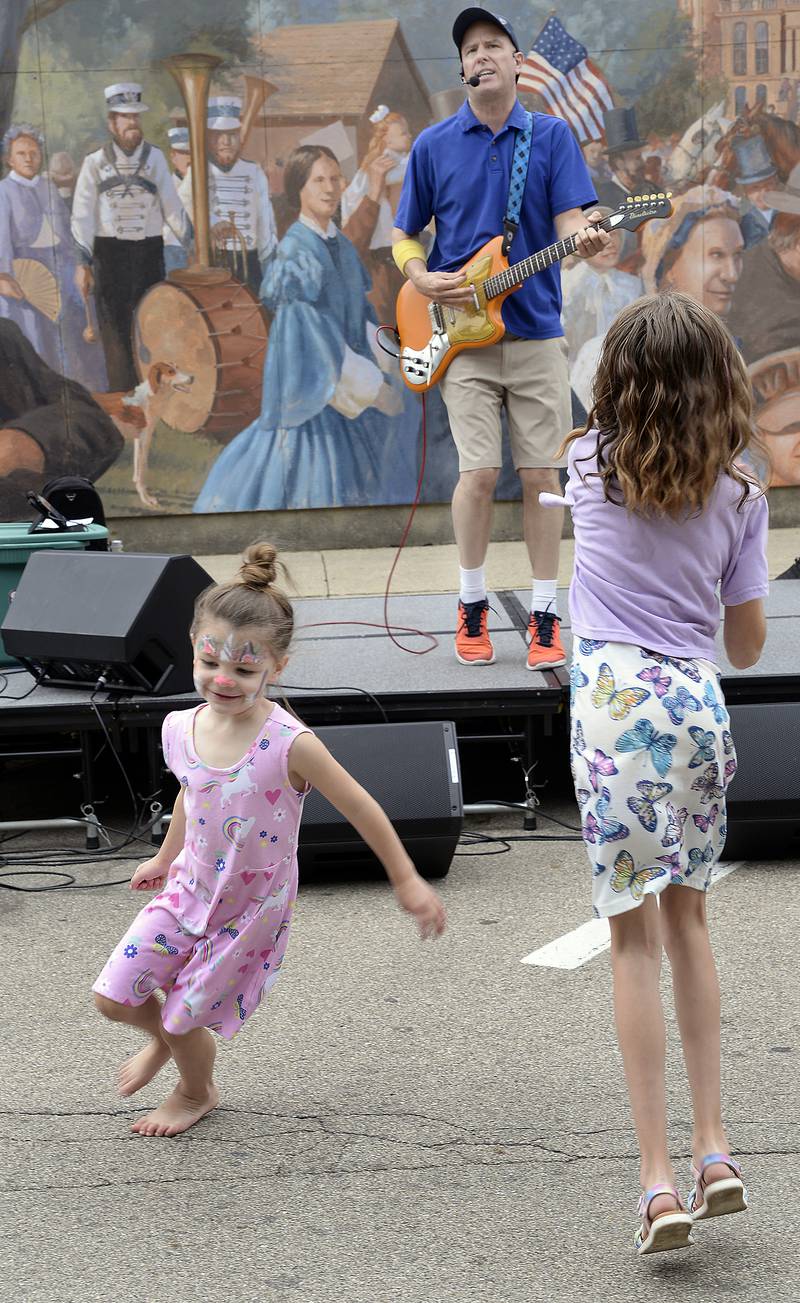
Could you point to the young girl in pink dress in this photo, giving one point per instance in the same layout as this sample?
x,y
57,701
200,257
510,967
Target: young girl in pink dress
x,y
213,938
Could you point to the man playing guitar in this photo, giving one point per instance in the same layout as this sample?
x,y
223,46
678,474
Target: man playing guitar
x,y
459,174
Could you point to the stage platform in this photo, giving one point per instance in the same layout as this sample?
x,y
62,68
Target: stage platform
x,y
341,653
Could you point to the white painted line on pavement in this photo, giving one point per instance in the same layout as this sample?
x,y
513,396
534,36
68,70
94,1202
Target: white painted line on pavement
x,y
574,948
586,942
722,870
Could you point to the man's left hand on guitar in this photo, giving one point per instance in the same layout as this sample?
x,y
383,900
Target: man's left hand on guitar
x,y
589,239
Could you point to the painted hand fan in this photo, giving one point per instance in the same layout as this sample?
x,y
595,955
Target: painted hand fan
x,y
39,286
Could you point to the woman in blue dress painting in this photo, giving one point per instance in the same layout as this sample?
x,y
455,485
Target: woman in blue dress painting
x,y
334,429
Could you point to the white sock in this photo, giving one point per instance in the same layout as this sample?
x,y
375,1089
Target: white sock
x,y
473,584
543,596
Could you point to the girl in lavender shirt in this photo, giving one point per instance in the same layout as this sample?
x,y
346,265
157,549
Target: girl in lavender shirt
x,y
666,524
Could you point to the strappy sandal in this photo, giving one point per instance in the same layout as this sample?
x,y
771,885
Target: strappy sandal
x,y
718,1197
672,1230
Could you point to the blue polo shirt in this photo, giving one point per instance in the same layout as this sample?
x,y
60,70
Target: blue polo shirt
x,y
459,174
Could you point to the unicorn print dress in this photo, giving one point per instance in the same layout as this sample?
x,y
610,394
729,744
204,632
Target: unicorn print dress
x,y
213,939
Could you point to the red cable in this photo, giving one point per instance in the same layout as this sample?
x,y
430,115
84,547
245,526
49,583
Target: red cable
x,y
433,641
370,624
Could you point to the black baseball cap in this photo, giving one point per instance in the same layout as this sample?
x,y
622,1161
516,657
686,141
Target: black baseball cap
x,y
469,16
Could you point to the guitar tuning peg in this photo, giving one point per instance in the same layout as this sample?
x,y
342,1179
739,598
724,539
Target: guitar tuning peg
x,y
629,199
668,195
638,198
652,197
661,195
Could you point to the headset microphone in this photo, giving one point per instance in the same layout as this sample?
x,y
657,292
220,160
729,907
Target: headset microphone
x,y
474,80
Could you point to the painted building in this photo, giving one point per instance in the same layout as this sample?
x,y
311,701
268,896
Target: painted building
x,y
755,46
346,92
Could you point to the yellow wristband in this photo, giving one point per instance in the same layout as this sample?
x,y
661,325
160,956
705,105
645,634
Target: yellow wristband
x,y
405,250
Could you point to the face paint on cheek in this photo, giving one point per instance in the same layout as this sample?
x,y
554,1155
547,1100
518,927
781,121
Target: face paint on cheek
x,y
250,697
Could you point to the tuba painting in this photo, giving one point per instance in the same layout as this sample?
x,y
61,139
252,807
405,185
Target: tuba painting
x,y
202,320
257,91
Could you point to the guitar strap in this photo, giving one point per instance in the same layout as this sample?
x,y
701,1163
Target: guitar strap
x,y
516,188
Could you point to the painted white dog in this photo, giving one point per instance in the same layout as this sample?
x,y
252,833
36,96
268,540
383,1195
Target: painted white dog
x,y
136,415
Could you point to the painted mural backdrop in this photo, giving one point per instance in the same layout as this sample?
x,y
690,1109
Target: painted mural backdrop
x,y
261,384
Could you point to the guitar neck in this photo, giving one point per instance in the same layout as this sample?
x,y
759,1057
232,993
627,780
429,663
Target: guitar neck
x,y
513,276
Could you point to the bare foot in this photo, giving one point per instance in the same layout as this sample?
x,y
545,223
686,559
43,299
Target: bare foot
x,y
176,1114
142,1067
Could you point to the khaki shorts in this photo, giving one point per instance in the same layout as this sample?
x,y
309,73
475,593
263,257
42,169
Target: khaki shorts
x,y
529,378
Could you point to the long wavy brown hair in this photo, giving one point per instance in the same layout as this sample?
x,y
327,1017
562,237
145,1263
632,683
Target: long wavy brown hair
x,y
672,407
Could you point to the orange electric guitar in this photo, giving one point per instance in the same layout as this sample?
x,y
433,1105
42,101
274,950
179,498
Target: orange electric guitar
x,y
431,334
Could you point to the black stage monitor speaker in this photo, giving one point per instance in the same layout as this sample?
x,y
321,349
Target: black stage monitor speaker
x,y
412,770
77,615
764,795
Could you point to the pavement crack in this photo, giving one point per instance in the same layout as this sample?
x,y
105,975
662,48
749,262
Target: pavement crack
x,y
323,1143
332,1170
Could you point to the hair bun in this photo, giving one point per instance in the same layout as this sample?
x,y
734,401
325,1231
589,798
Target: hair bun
x,y
259,568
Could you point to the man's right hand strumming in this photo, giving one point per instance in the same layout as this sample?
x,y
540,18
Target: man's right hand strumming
x,y
448,287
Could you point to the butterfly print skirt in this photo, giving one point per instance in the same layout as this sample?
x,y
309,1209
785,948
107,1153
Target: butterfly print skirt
x,y
651,756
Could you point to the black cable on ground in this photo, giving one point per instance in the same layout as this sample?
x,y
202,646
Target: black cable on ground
x,y
69,885
475,839
522,807
69,855
504,840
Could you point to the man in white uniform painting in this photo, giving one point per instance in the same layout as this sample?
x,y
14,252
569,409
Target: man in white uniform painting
x,y
240,212
124,195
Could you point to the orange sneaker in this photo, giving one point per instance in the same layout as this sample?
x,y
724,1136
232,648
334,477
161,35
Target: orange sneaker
x,y
546,651
473,644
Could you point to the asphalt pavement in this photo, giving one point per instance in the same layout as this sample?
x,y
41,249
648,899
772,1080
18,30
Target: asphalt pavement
x,y
402,1122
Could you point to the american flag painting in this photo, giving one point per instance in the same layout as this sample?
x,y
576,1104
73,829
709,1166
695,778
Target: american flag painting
x,y
557,68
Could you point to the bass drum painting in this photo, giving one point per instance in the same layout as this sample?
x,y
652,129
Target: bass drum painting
x,y
217,333
202,320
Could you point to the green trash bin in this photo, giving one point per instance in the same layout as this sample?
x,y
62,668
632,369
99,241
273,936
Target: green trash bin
x,y
16,545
